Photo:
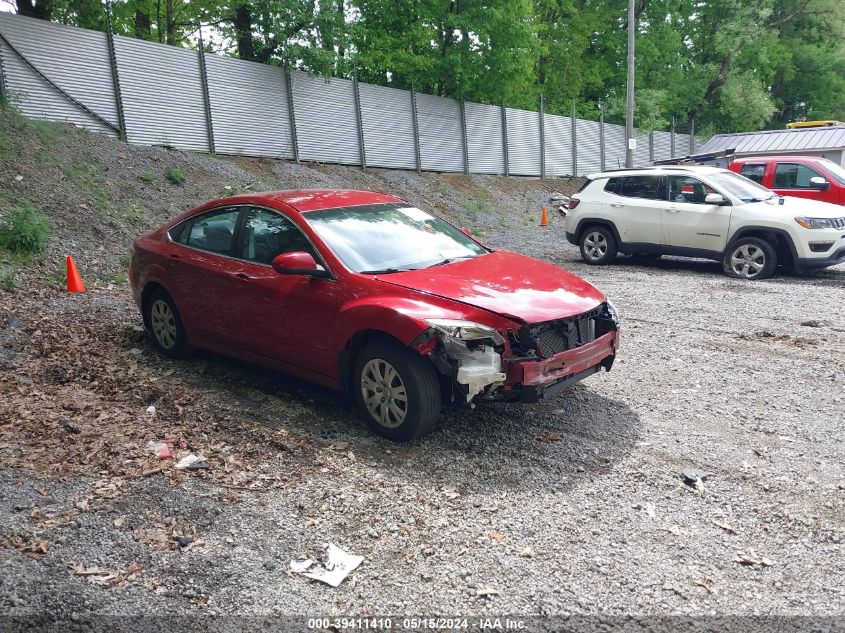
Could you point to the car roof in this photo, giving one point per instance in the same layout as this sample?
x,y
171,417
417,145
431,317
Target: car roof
x,y
304,200
658,170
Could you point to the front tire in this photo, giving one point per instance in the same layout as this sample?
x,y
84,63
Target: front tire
x,y
398,391
598,246
750,258
165,325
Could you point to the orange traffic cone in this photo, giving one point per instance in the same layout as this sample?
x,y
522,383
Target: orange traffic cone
x,y
74,279
544,219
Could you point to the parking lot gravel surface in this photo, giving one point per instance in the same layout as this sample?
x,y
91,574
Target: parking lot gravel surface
x,y
573,506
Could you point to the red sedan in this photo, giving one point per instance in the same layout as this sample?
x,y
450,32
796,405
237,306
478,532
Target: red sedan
x,y
365,293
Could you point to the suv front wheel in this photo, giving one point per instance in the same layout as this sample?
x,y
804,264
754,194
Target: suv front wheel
x,y
750,258
598,246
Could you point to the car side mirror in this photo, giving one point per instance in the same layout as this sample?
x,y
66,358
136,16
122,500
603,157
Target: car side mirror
x,y
819,183
715,198
298,263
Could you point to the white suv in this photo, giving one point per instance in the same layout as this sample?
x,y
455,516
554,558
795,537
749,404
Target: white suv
x,y
703,212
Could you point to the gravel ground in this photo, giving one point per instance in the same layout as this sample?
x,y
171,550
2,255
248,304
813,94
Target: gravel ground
x,y
739,379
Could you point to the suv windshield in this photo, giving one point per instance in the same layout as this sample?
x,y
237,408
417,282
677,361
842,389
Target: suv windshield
x,y
386,238
740,186
837,171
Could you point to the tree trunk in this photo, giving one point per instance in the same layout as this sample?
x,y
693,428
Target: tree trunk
x,y
171,23
40,9
143,25
243,32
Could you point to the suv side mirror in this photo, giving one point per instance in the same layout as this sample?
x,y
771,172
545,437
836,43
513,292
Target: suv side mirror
x,y
819,183
298,263
715,198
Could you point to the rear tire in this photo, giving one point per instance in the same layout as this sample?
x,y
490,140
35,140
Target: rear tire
x,y
750,258
164,323
598,246
397,390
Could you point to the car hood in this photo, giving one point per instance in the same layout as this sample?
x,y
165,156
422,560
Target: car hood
x,y
518,287
793,207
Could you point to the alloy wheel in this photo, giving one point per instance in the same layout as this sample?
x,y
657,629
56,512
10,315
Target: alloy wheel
x,y
384,393
748,261
595,245
163,323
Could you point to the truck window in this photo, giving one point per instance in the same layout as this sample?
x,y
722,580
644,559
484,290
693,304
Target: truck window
x,y
794,176
754,171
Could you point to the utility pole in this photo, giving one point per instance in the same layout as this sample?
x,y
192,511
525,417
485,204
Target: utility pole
x,y
629,114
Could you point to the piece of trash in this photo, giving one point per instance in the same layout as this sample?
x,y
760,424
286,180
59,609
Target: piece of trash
x,y
693,475
752,559
548,436
69,426
497,536
162,449
135,351
528,552
18,178
151,409
486,591
118,522
184,541
337,567
450,492
727,528
192,462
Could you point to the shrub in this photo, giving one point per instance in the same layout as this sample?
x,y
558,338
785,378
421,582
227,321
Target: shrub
x,y
26,231
174,176
8,279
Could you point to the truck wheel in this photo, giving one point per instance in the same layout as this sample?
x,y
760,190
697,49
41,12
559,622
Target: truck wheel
x,y
598,245
750,258
398,391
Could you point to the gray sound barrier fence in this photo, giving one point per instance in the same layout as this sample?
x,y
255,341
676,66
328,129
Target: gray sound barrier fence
x,y
152,94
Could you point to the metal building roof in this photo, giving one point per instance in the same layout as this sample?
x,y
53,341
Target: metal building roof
x,y
779,140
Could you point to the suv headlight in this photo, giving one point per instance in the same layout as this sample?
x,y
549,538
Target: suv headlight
x,y
614,313
816,223
465,330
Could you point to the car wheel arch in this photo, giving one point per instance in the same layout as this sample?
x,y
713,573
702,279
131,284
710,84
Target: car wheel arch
x,y
585,223
780,239
149,289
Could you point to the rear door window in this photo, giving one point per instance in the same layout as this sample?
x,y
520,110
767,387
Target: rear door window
x,y
754,171
214,231
645,187
794,176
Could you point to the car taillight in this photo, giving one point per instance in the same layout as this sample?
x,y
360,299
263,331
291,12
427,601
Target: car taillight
x,y
573,202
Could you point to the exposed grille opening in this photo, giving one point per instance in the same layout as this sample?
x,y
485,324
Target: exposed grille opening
x,y
553,337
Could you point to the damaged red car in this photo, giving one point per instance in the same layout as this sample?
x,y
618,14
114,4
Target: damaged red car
x,y
365,293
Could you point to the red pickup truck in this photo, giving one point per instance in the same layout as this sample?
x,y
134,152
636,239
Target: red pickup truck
x,y
798,176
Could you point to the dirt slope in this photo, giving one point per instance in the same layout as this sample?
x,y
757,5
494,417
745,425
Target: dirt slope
x,y
100,193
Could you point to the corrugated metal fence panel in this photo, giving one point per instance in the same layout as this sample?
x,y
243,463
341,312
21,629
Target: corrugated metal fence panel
x,y
662,145
249,108
77,60
388,127
484,138
588,142
326,122
682,145
523,142
614,139
162,94
441,142
641,153
558,131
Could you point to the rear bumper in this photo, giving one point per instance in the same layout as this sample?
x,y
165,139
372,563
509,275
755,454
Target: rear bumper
x,y
535,379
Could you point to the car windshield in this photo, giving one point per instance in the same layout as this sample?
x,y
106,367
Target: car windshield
x,y
837,171
740,186
387,238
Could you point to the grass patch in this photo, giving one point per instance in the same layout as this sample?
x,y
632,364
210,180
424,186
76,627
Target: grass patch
x,y
147,177
477,231
25,231
120,278
174,176
8,278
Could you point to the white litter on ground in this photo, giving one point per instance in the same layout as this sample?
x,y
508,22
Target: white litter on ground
x,y
337,567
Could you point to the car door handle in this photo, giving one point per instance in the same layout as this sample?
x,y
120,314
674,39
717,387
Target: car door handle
x,y
673,209
616,204
174,256
242,276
